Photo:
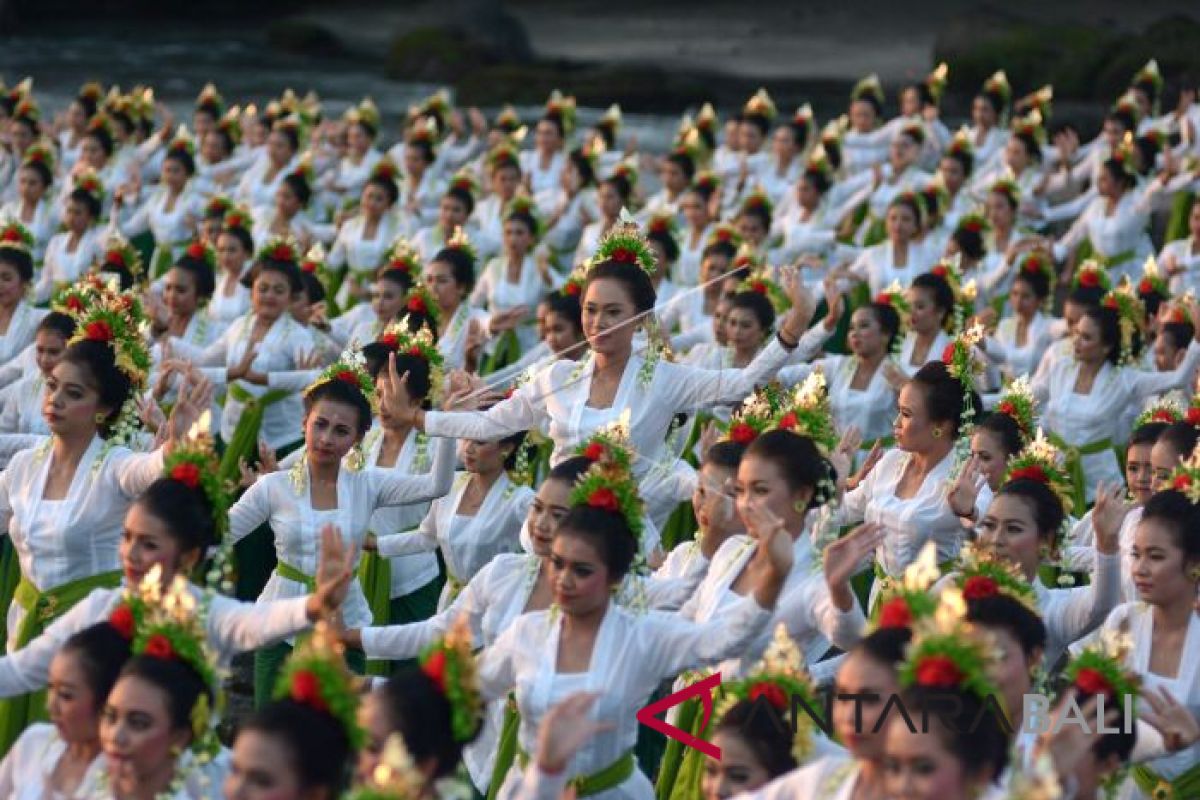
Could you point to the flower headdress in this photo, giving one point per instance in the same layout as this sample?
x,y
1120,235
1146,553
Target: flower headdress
x,y
761,105
1008,188
625,244
77,297
756,200
404,257
975,222
949,270
459,240
868,87
365,112
194,464
626,168
420,301
805,410
315,675
756,415
386,169
1091,273
610,445
609,485
231,124
1152,282
759,281
1130,314
182,142
1123,155
963,362
563,107
902,603
423,132
218,206
92,91
507,120
90,182
27,109
998,86
960,143
120,256
1030,125
1186,477
1038,262
936,81
39,153
611,118
663,224
464,181
113,319
450,664
689,143
779,679
210,100
576,282
724,232
706,118
503,155
893,296
949,653
396,777
279,248
399,338
981,573
1017,401
201,251
1039,100
1167,409
349,368
1042,462
314,260
15,236
524,205
1127,105
239,218
818,165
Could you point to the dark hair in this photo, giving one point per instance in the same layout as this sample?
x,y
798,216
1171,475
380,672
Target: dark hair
x,y
103,138
397,277
186,513
1047,509
1147,433
1121,741
667,242
621,184
1037,281
685,164
1004,428
241,234
462,195
387,186
517,441
102,652
88,200
870,100
202,275
964,158
420,712
725,454
886,646
58,322
570,470
723,248
939,287
299,186
1109,323
975,735
288,269
316,741
587,174
819,180
888,320
424,147
180,682
289,133
798,460
555,118
970,242
761,725
113,385
462,265
944,395
635,280
757,120
367,127
415,367
566,306
183,158
336,390
1177,512
758,305
1180,333
606,531
1181,437
311,287
759,212
1085,296
1007,613
912,203
1032,149
1123,117
43,171
525,218
1116,171
20,260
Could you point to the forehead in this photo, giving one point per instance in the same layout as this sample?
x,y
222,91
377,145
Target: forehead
x,y
1011,508
554,493
1154,533
606,291
757,468
335,411
68,372
574,549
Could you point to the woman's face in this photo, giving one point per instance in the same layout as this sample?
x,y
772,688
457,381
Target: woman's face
x,y
750,227
862,116
70,701
712,501
30,185
808,194
330,430
914,430
231,256
1139,472
1106,185
377,726
517,238
578,574
1009,528
262,767
918,766
212,147
48,347
271,295
1022,299
1016,157
174,176
903,152
136,734
694,211
439,279
856,722
357,139
910,102
1089,346
865,336
72,401
609,200
287,202
146,542
925,316
1011,670
179,292
901,224
560,333
783,143
549,507
505,181
387,300
1000,212
546,137
991,456
374,201
1164,458
743,331
279,149
672,176
1161,574
983,114
751,137
953,174
414,162
761,483
12,288
76,217
484,458
76,116
93,153
451,214
606,305
738,770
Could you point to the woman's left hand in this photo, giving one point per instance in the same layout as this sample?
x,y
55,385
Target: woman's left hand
x,y
965,489
195,397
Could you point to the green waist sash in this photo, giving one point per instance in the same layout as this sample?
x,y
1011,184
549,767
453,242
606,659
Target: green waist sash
x,y
290,573
1074,463
1156,787
244,442
1114,260
43,607
610,777
454,587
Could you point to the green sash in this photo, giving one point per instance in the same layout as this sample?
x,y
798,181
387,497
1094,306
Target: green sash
x,y
290,573
506,748
675,755
508,351
1177,222
1074,456
10,576
244,443
610,777
1116,259
1156,787
375,575
455,587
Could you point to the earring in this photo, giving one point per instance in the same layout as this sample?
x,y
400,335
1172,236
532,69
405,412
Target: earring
x,y
1196,574
100,418
800,508
937,433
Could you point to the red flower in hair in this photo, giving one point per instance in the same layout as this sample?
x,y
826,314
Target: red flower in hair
x,y
1162,415
1111,302
594,451
400,264
624,255
977,587
772,692
895,613
1182,482
940,671
1092,681
758,287
1007,408
1145,286
122,619
98,331
742,433
884,298
196,250
282,252
658,226
417,303
114,258
186,473
939,270
12,235
346,376
573,288
973,225
309,266
435,668
1193,416
74,304
788,421
948,354
415,351
604,498
159,646
306,689
724,235
389,340
1089,278
1030,473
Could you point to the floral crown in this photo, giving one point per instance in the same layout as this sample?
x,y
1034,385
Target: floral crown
x,y
706,117
182,142
949,270
1091,274
1017,402
404,257
201,251
525,206
314,260
90,182
279,248
759,282
960,144
868,87
231,124
27,109
218,206
1167,409
39,153
1037,262
1030,125
689,143
1192,415
1007,187
974,222
609,486
893,296
817,165
949,653
366,112
194,464
386,169
663,225
464,181
761,104
349,368
77,297
806,411
627,169
113,319
1040,100
1152,282
1042,462
962,360
1186,477
450,664
724,232
503,155
1150,74
756,415
120,255
1123,155
210,99
170,626
400,339
1127,104
1099,669
396,777
238,218
420,301
902,603
15,236
508,119
981,573
562,106
610,445
575,282
757,200
423,132
625,244
778,679
92,91
1130,314
315,675
459,240
936,81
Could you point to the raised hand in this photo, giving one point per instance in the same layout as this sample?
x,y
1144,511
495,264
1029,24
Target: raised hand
x,y
242,368
1171,718
393,392
868,464
1108,516
965,489
195,397
843,557
566,728
335,570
